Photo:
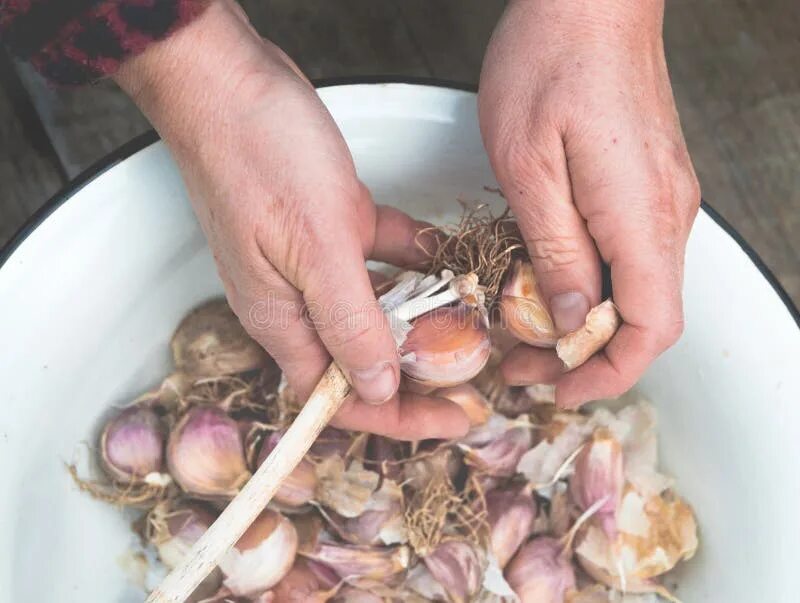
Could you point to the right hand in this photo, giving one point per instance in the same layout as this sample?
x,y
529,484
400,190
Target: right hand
x,y
275,190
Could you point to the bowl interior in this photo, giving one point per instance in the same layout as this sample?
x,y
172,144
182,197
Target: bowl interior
x,y
92,295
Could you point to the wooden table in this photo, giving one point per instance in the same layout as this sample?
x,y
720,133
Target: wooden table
x,y
735,69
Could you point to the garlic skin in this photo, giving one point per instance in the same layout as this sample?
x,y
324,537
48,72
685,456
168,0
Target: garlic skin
x,y
599,474
446,347
352,561
456,566
262,556
305,585
346,489
601,324
132,445
501,456
297,489
470,399
381,522
210,341
205,454
541,573
524,313
350,594
510,514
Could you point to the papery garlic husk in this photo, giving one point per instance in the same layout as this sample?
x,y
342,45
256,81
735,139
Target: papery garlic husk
x,y
540,572
381,522
206,454
306,582
472,402
601,324
353,561
501,456
442,463
262,556
446,347
510,514
564,435
174,531
343,488
210,341
652,536
350,594
132,446
299,487
457,566
524,312
599,474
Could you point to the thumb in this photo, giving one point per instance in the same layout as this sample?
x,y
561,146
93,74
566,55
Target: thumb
x,y
565,260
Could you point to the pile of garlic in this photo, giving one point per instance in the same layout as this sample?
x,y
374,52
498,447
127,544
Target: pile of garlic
x,y
533,505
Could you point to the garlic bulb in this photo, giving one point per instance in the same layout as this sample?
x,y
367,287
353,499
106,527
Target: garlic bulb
x,y
210,341
297,489
524,313
206,455
456,566
262,556
132,446
599,474
501,456
510,513
446,347
351,561
541,573
601,324
472,402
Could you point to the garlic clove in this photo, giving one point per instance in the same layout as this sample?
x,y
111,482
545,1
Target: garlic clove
x,y
501,456
343,488
304,584
205,454
262,557
601,324
210,341
132,445
446,347
472,402
540,573
297,489
599,474
353,561
523,311
456,565
510,514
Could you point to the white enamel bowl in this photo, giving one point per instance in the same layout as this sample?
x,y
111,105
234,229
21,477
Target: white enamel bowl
x,y
90,296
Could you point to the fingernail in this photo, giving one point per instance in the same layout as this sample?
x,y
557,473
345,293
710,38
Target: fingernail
x,y
569,310
376,384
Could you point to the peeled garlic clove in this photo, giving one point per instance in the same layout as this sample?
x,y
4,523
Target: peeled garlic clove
x,y
455,565
501,456
601,323
599,474
262,556
446,347
210,341
352,561
132,445
510,514
472,402
540,573
524,313
206,454
304,585
297,489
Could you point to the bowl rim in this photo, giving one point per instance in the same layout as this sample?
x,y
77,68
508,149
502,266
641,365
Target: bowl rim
x,y
150,137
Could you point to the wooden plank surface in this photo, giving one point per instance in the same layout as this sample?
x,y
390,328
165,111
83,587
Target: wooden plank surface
x,y
735,71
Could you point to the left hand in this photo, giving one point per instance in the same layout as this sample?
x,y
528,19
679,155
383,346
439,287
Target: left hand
x,y
580,124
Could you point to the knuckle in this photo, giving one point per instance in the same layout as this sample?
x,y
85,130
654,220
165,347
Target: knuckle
x,y
553,254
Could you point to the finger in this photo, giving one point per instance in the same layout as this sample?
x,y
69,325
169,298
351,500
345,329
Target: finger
x,y
526,365
400,240
537,185
342,306
405,417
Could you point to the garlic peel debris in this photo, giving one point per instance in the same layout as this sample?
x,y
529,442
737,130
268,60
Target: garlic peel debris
x,y
345,489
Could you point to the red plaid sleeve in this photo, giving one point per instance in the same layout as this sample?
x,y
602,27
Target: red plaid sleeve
x,y
77,41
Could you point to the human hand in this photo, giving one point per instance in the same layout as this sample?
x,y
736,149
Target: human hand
x,y
275,190
579,121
